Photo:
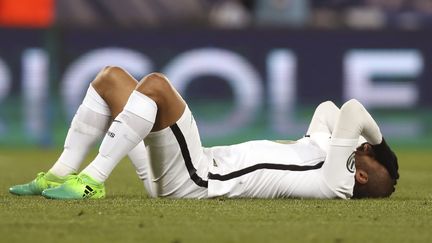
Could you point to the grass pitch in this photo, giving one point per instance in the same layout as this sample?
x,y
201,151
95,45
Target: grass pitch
x,y
128,215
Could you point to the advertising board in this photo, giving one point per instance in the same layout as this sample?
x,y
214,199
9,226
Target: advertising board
x,y
241,85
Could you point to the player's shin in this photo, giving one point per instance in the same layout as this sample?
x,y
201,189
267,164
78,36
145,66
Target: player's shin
x,y
88,125
129,128
126,131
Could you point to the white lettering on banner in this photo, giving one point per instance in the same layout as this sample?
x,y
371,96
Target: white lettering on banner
x,y
236,70
35,88
282,92
362,65
5,85
83,70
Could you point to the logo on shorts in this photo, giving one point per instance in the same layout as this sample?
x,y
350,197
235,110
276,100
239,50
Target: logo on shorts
x,y
111,134
350,164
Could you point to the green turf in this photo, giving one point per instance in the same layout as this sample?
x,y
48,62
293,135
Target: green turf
x,y
127,215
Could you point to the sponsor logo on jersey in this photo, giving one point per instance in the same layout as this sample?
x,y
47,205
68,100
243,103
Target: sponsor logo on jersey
x,y
350,164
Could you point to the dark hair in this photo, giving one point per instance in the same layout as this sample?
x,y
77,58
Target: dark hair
x,y
379,185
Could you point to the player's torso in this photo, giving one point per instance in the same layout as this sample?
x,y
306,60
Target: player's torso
x,y
301,152
257,168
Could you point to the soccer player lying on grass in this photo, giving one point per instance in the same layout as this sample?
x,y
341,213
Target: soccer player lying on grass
x,y
327,163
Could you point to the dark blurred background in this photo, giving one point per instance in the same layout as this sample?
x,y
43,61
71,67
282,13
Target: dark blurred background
x,y
250,69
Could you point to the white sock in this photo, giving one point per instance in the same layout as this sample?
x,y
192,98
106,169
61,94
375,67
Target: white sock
x,y
129,128
139,158
88,125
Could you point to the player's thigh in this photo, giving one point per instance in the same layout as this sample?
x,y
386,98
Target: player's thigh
x,y
179,165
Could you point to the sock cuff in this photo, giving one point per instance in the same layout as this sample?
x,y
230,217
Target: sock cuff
x,y
142,106
94,102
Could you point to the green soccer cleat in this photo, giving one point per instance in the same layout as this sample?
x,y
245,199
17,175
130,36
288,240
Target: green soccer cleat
x,y
81,186
35,187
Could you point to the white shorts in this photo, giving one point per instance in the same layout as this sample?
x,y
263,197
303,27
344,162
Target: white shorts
x,y
177,160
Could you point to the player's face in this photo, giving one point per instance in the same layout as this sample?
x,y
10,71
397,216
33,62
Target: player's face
x,y
365,157
372,179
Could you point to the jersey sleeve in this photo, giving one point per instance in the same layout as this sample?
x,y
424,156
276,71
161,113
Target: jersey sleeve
x,y
354,122
339,167
323,119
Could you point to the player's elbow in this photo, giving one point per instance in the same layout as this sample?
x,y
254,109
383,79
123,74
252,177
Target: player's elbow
x,y
352,107
352,103
327,106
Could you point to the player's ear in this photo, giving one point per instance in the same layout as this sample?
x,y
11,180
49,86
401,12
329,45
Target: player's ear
x,y
361,176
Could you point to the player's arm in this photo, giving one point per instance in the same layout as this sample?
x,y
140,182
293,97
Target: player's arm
x,y
324,118
353,121
367,128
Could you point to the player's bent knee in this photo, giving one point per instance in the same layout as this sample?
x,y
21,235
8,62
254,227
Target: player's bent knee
x,y
154,85
156,75
110,73
108,76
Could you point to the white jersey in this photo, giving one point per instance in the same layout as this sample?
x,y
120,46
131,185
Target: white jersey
x,y
269,169
312,167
